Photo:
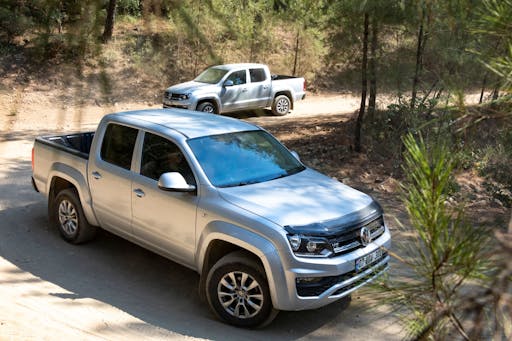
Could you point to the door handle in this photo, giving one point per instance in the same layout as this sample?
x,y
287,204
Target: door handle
x,y
96,175
244,90
265,87
138,192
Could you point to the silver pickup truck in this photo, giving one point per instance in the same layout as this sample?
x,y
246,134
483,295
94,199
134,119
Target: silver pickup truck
x,y
234,87
222,197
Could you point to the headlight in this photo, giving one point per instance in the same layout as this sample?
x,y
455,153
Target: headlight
x,y
184,96
308,246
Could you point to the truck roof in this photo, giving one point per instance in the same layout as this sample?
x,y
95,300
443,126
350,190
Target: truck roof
x,y
187,122
239,66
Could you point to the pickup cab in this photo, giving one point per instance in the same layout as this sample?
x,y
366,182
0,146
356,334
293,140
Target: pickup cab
x,y
235,87
222,197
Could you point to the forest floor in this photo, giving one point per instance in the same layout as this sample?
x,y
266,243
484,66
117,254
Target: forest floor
x,y
111,289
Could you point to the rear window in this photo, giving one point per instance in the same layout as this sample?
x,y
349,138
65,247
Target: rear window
x,y
118,144
257,75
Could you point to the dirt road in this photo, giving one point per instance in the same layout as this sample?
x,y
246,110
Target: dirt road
x,y
114,290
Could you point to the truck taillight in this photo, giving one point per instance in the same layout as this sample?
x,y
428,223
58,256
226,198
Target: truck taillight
x,y
32,159
304,86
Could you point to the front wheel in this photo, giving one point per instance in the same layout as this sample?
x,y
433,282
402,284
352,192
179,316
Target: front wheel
x,y
238,293
208,107
281,105
70,218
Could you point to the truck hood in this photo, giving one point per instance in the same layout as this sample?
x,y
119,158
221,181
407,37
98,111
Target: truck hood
x,y
189,87
304,199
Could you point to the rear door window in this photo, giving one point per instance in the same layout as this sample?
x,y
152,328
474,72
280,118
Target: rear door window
x,y
257,75
117,146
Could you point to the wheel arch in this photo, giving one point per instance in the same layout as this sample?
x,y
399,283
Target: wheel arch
x,y
63,176
286,93
218,240
213,100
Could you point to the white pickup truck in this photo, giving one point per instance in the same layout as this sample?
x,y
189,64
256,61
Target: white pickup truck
x,y
233,87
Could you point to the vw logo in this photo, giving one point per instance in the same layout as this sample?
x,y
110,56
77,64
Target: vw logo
x,y
366,236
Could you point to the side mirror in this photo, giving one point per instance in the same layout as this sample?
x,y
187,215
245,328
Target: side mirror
x,y
229,82
174,182
295,154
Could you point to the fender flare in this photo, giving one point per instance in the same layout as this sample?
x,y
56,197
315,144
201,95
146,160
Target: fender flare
x,y
73,176
252,242
212,98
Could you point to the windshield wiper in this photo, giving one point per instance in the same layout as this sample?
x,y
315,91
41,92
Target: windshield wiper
x,y
241,183
266,178
289,172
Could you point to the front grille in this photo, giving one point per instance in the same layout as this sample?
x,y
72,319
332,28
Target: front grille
x,y
173,96
317,288
350,239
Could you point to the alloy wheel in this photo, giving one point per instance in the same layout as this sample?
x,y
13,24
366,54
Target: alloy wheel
x,y
282,106
68,217
240,294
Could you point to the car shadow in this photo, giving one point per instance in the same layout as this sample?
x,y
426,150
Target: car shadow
x,y
250,114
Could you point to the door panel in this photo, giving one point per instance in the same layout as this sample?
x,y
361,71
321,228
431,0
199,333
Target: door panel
x,y
111,195
165,220
258,88
110,178
236,96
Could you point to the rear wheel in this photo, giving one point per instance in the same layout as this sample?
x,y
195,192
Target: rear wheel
x,y
208,107
238,292
281,105
70,218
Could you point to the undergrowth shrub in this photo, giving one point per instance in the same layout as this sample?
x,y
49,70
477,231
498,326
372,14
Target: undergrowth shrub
x,y
384,130
495,165
443,260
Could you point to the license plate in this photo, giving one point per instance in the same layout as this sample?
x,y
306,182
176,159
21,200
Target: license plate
x,y
368,259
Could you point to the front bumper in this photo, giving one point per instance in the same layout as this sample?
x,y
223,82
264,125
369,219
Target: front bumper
x,y
338,275
185,104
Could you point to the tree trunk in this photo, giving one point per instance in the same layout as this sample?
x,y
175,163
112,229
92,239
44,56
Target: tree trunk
x,y
372,65
364,87
484,83
109,22
496,93
251,49
296,53
419,55
253,53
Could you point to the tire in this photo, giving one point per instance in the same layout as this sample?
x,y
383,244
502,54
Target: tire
x,y
208,107
281,105
70,219
247,303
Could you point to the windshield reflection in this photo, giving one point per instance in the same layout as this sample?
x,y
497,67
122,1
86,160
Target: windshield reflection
x,y
211,76
243,158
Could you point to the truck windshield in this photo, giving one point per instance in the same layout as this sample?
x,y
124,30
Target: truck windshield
x,y
243,158
211,75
